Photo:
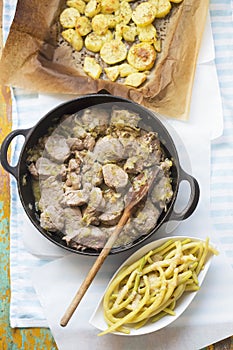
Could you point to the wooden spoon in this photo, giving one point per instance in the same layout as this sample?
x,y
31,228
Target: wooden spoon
x,y
133,197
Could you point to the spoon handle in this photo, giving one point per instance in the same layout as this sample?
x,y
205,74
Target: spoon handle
x,y
95,268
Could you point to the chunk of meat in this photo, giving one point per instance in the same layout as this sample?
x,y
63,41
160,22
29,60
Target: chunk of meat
x,y
51,191
145,219
93,175
95,119
132,153
96,199
77,198
122,117
110,218
52,218
57,148
142,153
138,164
78,130
90,216
113,209
150,148
73,180
88,161
95,207
89,142
74,165
114,176
46,167
151,139
130,144
73,222
75,144
90,237
134,165
108,150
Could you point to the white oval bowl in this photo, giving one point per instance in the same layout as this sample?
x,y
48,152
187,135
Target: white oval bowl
x,y
97,319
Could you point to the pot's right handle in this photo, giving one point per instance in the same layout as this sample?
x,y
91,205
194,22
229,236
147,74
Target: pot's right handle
x,y
193,199
4,150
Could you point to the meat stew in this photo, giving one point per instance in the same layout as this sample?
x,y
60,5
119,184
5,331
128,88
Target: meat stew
x,y
83,168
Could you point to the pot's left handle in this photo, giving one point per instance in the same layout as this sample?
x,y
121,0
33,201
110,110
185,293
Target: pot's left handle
x,y
4,150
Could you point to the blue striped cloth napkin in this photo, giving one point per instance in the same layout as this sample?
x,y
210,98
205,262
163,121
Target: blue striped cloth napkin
x,y
222,149
26,310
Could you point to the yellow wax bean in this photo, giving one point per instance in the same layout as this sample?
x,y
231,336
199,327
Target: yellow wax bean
x,y
132,314
203,257
192,287
118,307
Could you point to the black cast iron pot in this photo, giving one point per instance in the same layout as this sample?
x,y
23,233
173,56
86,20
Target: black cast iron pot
x,y
52,118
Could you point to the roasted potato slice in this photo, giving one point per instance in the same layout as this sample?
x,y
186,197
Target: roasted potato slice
x,y
141,56
83,25
135,79
118,34
108,36
109,6
78,4
162,7
77,41
113,51
68,34
157,45
68,17
144,14
92,68
125,12
112,20
147,33
93,42
100,24
93,7
126,69
124,31
112,72
129,32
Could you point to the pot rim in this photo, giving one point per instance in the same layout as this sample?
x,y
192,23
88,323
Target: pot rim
x,y
55,113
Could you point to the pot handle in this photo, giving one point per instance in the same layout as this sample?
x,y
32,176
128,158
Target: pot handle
x,y
104,92
193,200
4,150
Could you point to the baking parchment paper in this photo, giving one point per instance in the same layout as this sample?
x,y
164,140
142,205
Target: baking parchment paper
x,y
34,57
